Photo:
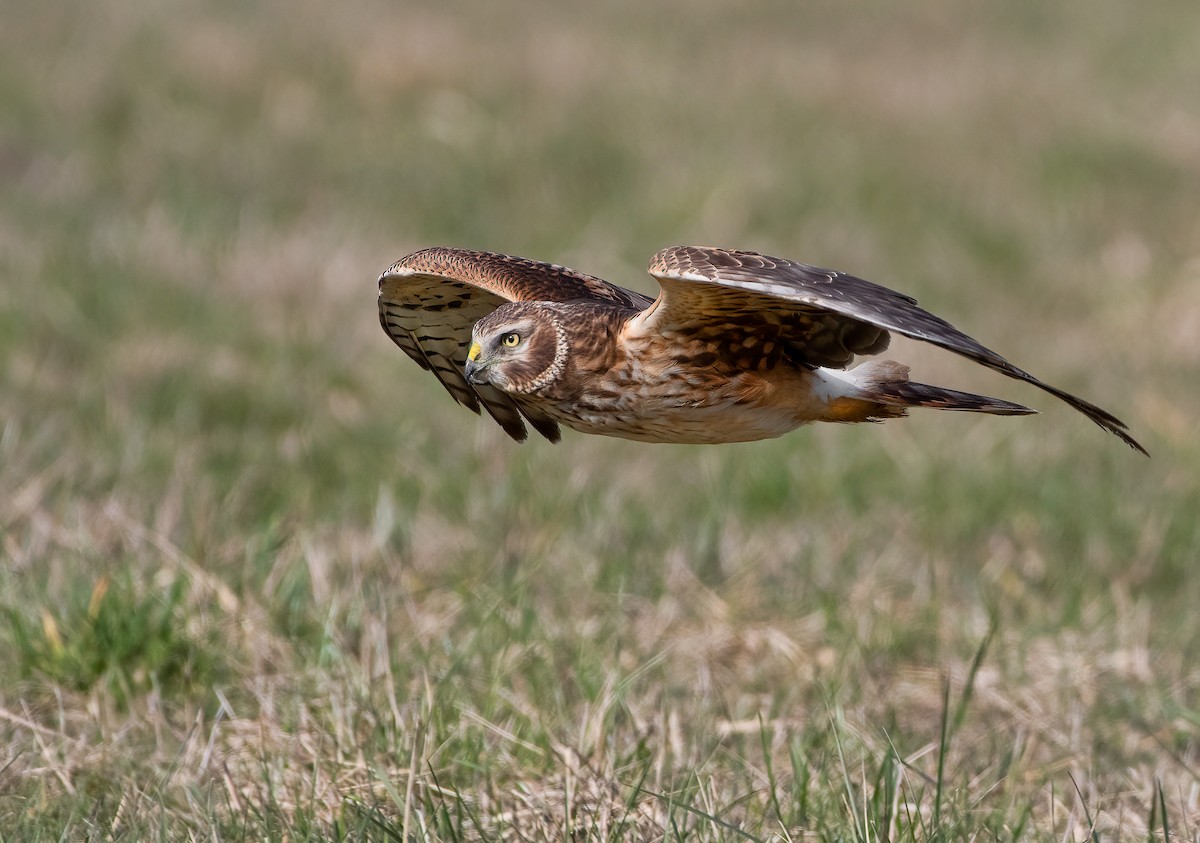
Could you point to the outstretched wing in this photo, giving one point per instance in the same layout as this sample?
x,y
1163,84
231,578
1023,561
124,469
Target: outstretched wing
x,y
816,316
429,301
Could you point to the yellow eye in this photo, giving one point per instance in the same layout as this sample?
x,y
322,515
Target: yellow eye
x,y
511,340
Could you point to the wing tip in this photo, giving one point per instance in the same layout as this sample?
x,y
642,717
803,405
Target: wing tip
x,y
1101,417
519,433
1120,430
548,428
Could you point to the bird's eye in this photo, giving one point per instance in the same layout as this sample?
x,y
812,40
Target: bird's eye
x,y
511,340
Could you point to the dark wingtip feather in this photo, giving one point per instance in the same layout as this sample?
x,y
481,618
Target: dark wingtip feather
x,y
1118,429
1131,442
514,427
547,428
1103,418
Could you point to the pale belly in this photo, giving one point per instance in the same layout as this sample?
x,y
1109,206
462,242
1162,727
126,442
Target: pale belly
x,y
742,409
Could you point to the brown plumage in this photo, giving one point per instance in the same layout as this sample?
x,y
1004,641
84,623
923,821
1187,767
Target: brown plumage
x,y
737,346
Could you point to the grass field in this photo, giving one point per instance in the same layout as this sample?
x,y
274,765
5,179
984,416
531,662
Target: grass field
x,y
263,580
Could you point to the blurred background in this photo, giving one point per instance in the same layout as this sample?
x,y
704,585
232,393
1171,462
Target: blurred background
x,y
252,553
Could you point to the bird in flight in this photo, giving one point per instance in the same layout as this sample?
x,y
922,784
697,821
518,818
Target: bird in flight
x,y
738,346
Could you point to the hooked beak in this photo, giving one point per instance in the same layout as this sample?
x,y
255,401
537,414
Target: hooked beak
x,y
474,369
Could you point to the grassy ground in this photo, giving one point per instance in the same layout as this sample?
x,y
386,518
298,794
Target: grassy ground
x,y
261,579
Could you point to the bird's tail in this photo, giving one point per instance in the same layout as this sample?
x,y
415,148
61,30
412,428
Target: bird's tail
x,y
880,389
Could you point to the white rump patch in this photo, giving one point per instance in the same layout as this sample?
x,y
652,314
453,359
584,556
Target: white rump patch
x,y
859,382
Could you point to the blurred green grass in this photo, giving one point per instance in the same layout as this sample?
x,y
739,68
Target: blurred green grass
x,y
391,618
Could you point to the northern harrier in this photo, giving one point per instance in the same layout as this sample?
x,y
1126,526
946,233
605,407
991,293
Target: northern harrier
x,y
738,346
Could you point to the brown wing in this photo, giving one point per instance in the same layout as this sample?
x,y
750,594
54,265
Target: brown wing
x,y
818,316
429,301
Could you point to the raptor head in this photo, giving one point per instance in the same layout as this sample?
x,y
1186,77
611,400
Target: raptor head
x,y
520,347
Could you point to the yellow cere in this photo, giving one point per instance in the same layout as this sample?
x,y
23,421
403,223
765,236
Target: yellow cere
x,y
473,352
